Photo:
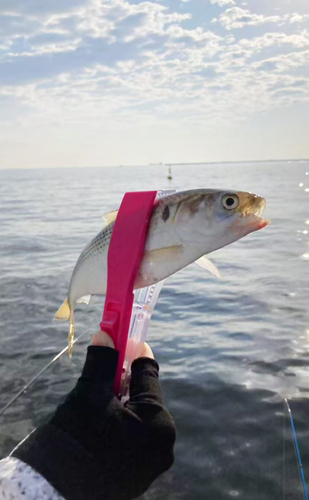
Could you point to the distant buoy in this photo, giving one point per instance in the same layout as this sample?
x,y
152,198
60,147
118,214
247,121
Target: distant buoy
x,y
169,174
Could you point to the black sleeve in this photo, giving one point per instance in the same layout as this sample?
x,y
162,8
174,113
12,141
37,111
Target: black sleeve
x,y
95,448
146,401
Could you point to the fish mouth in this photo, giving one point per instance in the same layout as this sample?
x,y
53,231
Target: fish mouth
x,y
253,211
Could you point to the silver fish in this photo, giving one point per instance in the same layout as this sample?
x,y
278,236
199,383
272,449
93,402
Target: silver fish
x,y
183,227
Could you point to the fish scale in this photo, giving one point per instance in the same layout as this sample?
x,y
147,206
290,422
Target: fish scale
x,y
197,222
98,244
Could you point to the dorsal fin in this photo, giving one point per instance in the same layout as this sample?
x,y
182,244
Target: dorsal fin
x,y
110,217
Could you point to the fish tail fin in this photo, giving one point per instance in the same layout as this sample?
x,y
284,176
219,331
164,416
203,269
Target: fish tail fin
x,y
71,334
64,311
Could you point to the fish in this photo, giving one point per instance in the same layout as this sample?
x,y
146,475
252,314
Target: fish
x,y
183,228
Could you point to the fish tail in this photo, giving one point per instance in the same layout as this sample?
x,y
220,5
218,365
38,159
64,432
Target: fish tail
x,y
71,334
64,311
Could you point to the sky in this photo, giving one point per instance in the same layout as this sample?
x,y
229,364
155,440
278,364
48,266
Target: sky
x,y
97,83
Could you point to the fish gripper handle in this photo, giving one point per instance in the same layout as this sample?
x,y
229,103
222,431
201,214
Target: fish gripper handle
x,y
124,258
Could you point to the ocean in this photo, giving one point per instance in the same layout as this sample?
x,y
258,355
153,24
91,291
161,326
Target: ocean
x,y
229,350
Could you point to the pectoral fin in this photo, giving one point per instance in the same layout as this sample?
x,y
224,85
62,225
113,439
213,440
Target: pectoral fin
x,y
84,300
206,264
165,253
155,264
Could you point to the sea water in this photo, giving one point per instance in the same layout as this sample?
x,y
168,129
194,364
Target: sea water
x,y
229,350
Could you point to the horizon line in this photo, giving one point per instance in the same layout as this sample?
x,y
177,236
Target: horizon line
x,y
162,164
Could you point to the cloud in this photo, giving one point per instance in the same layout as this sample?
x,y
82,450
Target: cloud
x,y
290,64
298,18
237,17
275,40
122,63
222,3
37,7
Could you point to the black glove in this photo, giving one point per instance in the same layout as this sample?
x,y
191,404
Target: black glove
x,y
94,447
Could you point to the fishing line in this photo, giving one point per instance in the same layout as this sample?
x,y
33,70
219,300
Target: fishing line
x,y
299,462
33,379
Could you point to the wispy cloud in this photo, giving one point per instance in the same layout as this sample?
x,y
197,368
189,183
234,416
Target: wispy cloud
x,y
236,17
222,3
93,62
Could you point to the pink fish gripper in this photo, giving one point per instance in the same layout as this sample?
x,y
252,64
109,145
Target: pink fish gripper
x,y
124,258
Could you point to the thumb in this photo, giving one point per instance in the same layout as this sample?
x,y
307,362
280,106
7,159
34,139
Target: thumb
x,y
144,351
102,339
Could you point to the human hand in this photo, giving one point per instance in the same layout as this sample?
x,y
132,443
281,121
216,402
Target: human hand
x,y
103,339
94,447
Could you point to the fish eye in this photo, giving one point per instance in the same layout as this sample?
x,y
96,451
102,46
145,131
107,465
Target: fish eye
x,y
230,201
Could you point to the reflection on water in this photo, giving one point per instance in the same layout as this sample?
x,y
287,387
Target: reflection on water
x,y
229,350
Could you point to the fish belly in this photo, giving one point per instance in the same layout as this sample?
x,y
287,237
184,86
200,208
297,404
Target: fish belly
x,y
91,278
